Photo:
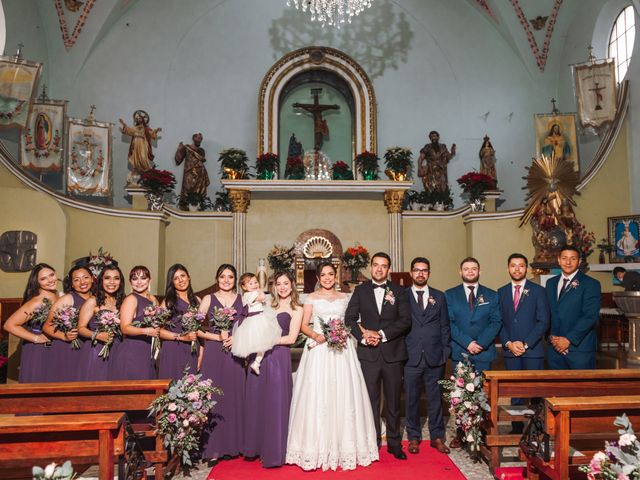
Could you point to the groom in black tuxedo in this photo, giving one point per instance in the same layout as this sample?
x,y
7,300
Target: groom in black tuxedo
x,y
379,317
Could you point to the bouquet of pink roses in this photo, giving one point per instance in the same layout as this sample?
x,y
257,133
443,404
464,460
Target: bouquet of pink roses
x,y
223,320
39,315
154,316
109,323
192,321
65,319
336,333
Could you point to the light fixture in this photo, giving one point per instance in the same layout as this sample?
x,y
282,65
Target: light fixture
x,y
331,12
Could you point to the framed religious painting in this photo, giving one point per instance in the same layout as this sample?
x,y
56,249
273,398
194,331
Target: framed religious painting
x,y
624,235
88,169
42,140
556,134
18,79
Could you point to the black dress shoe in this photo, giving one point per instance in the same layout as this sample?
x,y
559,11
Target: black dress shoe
x,y
250,459
397,452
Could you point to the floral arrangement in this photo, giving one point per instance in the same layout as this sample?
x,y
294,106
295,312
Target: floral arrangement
x,y
233,163
182,412
223,320
398,159
40,314
267,166
583,240
65,319
474,184
281,258
222,203
154,316
367,164
356,257
294,169
98,262
468,403
109,323
157,181
192,321
54,472
620,460
197,199
341,171
336,333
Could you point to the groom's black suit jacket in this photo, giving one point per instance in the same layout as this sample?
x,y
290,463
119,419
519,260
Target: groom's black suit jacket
x,y
394,320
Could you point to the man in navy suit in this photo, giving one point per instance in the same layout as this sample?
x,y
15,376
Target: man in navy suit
x,y
525,320
428,347
574,299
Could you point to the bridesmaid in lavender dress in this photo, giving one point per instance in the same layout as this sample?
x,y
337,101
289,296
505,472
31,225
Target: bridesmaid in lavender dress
x,y
134,360
39,295
223,434
176,347
109,296
268,395
64,361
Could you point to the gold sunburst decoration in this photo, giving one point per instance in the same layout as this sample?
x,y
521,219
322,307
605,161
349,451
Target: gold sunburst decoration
x,y
549,178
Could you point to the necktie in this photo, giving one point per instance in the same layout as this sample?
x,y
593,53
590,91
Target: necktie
x,y
564,287
516,297
472,298
420,299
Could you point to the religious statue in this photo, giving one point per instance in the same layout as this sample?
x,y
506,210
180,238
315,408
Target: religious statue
x,y
195,179
556,143
320,127
140,150
295,147
488,159
627,245
432,164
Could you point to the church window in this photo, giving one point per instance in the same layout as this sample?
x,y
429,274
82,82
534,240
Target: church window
x,y
621,41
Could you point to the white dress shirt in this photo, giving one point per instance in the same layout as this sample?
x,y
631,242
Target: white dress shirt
x,y
561,282
467,291
425,297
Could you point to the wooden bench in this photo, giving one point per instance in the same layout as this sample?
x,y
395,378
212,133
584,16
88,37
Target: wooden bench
x,y
500,384
38,440
131,396
587,421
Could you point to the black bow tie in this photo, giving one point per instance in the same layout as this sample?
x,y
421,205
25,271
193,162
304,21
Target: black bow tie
x,y
382,285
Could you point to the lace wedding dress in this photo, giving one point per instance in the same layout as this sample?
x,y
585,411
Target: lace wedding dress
x,y
331,420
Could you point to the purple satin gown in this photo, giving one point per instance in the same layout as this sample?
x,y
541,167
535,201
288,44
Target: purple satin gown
x,y
63,361
34,358
92,367
223,434
175,356
267,404
133,360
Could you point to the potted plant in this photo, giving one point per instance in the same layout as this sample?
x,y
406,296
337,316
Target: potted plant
x,y
157,183
281,258
222,203
194,201
605,247
341,171
398,163
473,185
233,164
294,169
441,200
367,164
267,166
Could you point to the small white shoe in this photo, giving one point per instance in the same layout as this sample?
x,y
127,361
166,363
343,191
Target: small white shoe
x,y
255,366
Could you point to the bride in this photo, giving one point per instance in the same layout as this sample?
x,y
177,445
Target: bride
x,y
331,420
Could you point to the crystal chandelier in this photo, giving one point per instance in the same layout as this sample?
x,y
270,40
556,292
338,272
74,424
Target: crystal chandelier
x,y
331,12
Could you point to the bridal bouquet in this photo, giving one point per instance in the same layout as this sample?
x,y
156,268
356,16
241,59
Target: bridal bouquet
x,y
65,319
336,333
192,321
39,315
108,322
154,316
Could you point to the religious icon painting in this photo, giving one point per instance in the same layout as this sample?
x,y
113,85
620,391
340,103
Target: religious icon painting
x,y
42,140
18,79
556,134
89,158
624,235
596,91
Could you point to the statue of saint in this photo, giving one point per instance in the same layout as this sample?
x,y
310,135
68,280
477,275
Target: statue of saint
x,y
295,147
195,178
488,159
432,164
140,150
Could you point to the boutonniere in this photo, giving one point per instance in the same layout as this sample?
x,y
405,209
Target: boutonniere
x,y
389,297
525,292
432,301
481,300
574,284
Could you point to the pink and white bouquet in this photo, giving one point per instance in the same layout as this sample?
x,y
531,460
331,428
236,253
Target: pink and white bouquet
x,y
39,315
65,319
336,333
108,322
182,413
191,321
154,316
223,319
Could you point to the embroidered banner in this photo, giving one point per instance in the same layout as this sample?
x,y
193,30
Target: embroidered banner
x,y
596,91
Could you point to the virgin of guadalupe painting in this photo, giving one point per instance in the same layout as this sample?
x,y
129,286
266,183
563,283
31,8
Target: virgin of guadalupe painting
x,y
42,141
18,80
556,135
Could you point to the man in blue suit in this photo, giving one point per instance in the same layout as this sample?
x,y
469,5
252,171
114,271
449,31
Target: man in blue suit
x,y
574,299
428,347
525,320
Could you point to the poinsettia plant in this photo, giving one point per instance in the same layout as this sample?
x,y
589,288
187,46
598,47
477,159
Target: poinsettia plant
x,y
294,170
367,162
474,184
157,181
233,163
341,171
398,159
356,257
267,166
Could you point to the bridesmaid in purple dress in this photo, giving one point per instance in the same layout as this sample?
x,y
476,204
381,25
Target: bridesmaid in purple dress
x,y
223,434
268,395
176,346
38,297
134,360
64,361
109,296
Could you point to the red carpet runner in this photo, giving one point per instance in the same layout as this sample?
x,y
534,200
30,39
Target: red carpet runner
x,y
429,463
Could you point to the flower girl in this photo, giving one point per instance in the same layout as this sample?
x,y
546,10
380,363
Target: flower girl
x,y
258,332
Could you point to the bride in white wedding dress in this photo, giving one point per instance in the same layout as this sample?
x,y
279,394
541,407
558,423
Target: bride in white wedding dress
x,y
331,420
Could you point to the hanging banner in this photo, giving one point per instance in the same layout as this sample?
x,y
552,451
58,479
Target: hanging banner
x,y
18,80
596,90
41,142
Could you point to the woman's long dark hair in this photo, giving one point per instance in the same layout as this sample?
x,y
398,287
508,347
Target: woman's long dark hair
x,y
101,294
33,287
67,284
228,266
170,294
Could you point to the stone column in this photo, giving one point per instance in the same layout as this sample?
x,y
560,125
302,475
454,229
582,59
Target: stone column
x,y
239,200
393,200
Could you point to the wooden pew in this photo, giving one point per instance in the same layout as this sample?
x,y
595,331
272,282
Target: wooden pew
x,y
586,420
90,438
501,384
132,396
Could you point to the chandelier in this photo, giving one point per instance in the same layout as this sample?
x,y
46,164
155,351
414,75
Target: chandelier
x,y
331,12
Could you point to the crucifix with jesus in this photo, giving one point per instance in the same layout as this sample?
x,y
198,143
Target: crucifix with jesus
x,y
320,127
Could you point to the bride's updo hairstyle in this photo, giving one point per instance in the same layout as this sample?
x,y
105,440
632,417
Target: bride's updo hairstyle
x,y
321,266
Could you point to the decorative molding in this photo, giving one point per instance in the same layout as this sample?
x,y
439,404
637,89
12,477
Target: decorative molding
x,y
393,200
487,9
205,215
240,200
69,41
540,54
298,186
